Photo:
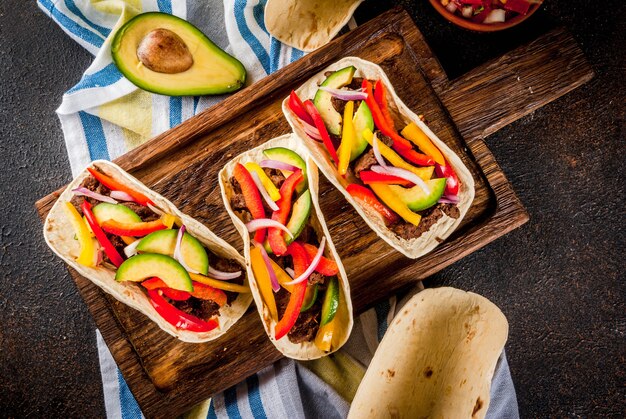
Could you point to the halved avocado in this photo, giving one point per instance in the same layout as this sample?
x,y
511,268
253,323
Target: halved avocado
x,y
163,242
148,265
416,199
290,157
164,54
362,120
120,213
322,99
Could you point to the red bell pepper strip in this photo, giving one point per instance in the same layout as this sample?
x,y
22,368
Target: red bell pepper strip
x,y
380,96
368,176
399,143
114,185
300,263
319,124
366,196
133,229
206,292
296,105
102,238
415,157
157,283
452,180
275,235
326,266
251,196
177,318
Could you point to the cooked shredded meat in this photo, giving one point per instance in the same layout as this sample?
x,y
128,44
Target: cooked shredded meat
x,y
307,324
316,278
276,176
145,213
429,217
365,162
203,309
238,202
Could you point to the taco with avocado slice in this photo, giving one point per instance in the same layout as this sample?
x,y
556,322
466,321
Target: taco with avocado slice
x,y
406,183
298,282
137,246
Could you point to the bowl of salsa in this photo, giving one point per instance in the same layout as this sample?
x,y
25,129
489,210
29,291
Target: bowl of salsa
x,y
486,15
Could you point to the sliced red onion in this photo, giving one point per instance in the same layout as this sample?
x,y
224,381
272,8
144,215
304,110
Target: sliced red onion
x,y
495,16
379,157
276,164
449,199
122,196
291,272
224,276
404,174
131,249
82,191
345,94
264,194
155,210
260,223
177,255
270,268
311,131
316,261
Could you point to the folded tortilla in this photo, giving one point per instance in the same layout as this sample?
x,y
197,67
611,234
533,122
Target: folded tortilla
x,y
59,236
436,360
307,24
413,248
304,350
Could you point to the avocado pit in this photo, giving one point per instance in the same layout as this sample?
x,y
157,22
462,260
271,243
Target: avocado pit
x,y
162,51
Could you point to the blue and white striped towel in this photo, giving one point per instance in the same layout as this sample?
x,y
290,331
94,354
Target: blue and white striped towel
x,y
104,115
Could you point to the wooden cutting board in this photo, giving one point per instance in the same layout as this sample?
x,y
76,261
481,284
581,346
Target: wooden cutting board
x,y
167,376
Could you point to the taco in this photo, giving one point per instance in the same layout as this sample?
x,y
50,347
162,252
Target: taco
x,y
298,282
437,359
407,185
135,245
307,24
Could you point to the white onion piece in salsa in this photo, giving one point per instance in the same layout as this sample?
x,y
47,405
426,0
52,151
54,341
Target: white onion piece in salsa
x,y
260,223
316,261
266,196
82,191
402,173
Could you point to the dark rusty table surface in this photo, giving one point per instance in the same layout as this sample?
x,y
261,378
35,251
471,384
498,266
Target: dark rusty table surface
x,y
559,279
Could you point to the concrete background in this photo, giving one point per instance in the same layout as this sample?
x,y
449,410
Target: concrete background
x,y
559,279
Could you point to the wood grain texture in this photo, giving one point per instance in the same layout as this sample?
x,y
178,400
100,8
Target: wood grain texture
x,y
167,376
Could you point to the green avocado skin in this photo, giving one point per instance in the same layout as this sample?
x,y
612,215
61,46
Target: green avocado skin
x,y
170,88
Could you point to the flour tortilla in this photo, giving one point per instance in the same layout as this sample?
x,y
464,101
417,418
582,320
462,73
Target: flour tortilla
x,y
436,360
59,235
305,350
307,24
413,248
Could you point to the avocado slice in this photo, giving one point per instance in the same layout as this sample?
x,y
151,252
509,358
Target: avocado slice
x,y
309,297
163,242
362,120
322,99
331,301
165,54
290,157
148,265
300,213
416,199
120,213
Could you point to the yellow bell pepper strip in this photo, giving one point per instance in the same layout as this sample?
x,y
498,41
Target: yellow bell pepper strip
x,y
392,201
87,250
102,238
424,172
168,220
128,239
271,189
413,133
300,264
263,281
221,285
347,139
114,185
282,276
324,337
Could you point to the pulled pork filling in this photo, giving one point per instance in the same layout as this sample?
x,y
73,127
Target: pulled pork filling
x,y
203,309
308,321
